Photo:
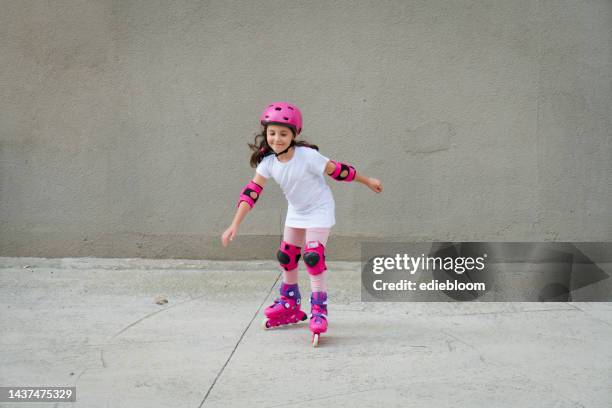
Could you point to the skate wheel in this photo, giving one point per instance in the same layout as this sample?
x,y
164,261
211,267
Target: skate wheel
x,y
265,324
315,340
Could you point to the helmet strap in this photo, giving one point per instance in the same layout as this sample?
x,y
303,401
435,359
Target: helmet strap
x,y
287,149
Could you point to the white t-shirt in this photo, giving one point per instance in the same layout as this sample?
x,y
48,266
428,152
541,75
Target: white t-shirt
x,y
311,204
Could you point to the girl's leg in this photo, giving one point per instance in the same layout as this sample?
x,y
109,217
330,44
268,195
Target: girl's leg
x,y
286,309
314,256
318,283
294,236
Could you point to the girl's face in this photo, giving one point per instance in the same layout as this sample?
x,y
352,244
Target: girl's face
x,y
279,137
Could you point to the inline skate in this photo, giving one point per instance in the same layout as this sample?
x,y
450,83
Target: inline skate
x,y
318,316
286,309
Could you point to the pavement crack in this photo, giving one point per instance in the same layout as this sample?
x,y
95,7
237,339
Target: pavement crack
x,y
153,314
102,358
239,341
458,339
451,348
79,376
590,315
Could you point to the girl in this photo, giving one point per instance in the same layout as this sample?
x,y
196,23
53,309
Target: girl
x,y
299,169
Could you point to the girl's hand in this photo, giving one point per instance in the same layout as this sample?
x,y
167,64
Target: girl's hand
x,y
229,235
375,185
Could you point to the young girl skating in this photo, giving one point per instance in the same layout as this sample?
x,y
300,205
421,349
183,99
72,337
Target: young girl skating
x,y
299,169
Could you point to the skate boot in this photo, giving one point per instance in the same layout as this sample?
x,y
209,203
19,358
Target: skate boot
x,y
286,309
318,315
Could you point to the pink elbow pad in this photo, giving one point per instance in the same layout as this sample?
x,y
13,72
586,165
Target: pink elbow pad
x,y
343,172
250,193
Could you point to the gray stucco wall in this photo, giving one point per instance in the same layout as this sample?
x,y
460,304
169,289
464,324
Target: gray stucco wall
x,y
123,124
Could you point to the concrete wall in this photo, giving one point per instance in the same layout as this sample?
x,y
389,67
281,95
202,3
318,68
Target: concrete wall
x,y
123,124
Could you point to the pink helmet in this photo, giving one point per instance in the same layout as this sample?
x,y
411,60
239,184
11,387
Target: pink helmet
x,y
283,113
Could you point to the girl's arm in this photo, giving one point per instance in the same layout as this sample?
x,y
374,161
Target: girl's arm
x,y
241,212
374,184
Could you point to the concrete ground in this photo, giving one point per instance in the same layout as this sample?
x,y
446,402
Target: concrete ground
x,y
95,324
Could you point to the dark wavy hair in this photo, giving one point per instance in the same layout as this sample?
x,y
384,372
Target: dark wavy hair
x,y
261,148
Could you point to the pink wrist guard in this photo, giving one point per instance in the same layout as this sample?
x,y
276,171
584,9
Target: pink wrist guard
x,y
250,193
343,172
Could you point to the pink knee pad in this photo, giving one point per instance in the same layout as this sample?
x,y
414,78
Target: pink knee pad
x,y
288,255
314,257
